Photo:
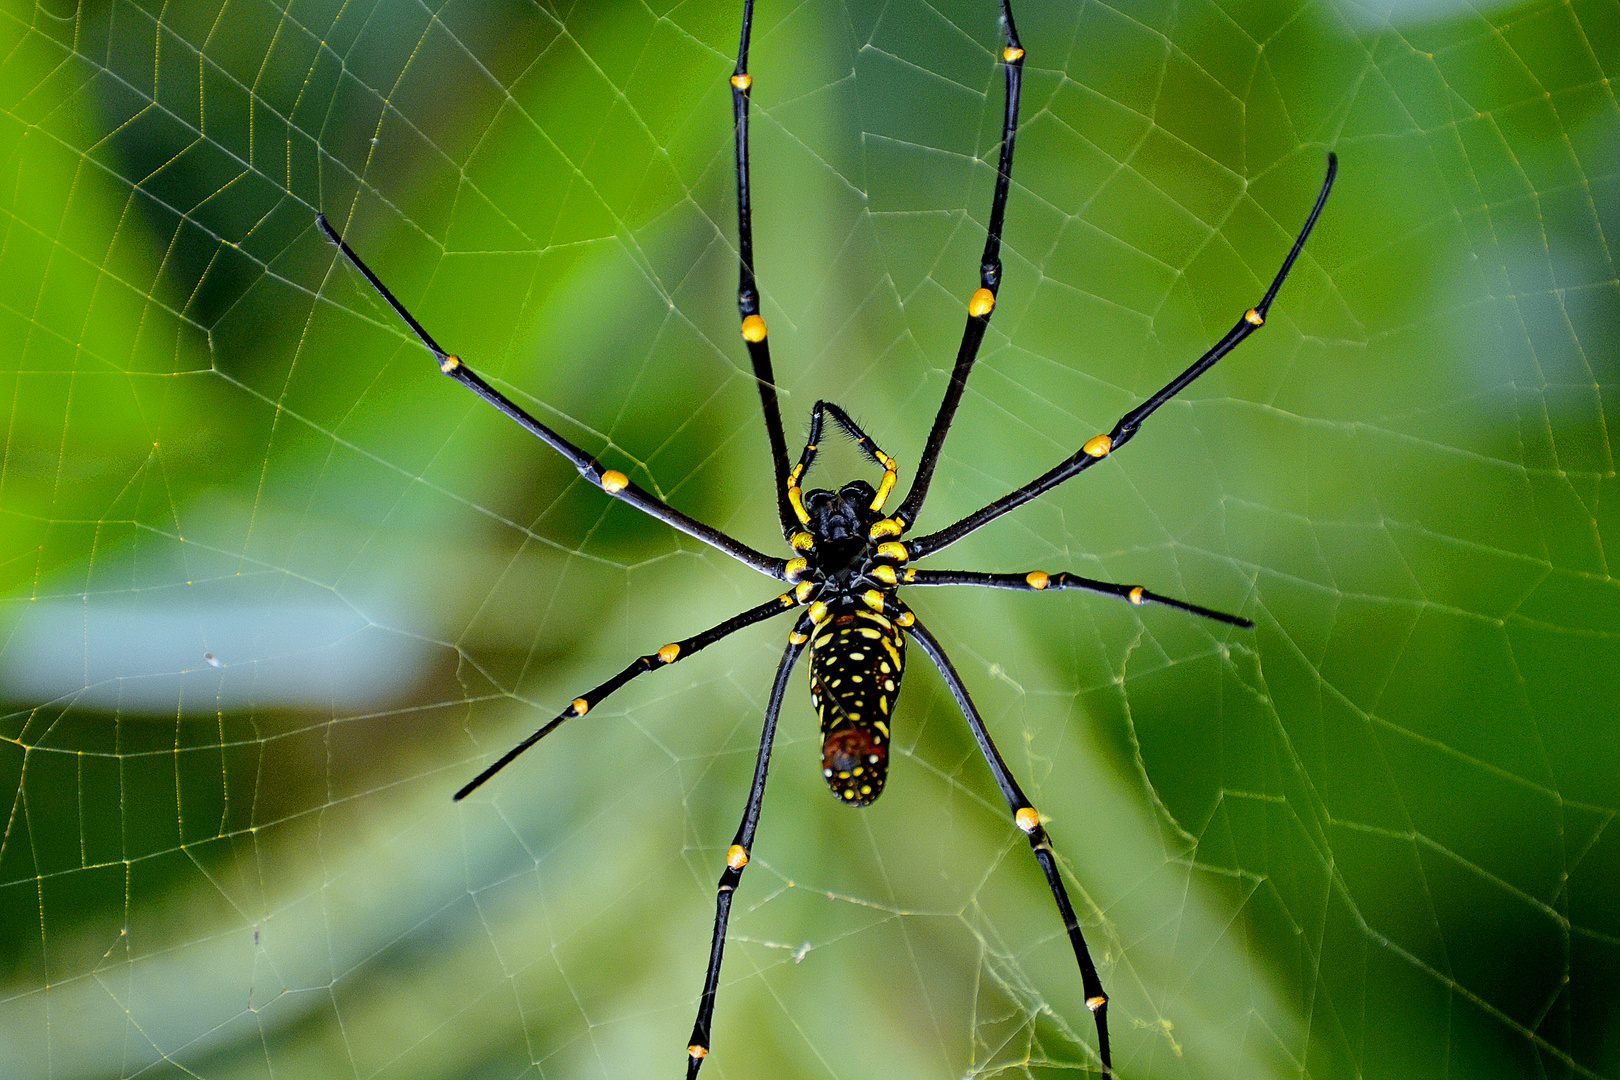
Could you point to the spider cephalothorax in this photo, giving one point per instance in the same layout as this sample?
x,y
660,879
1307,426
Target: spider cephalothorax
x,y
842,515
850,561
836,541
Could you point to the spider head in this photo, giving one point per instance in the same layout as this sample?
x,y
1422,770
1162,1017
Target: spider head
x,y
842,515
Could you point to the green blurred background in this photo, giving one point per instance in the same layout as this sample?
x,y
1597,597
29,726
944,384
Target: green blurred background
x,y
273,589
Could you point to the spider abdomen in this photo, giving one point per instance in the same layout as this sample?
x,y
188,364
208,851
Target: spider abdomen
x,y
856,660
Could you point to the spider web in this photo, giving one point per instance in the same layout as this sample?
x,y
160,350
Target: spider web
x,y
274,590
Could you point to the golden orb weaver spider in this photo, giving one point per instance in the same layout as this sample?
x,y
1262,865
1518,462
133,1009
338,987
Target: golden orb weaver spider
x,y
849,558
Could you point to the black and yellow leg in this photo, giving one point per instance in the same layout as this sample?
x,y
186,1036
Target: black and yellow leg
x,y
1029,821
795,496
865,442
1041,581
613,482
669,654
1100,446
697,1048
983,299
753,324
888,561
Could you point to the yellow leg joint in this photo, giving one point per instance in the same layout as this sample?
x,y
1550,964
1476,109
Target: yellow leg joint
x,y
736,857
698,1051
1254,318
580,706
669,652
801,541
980,303
614,481
1027,818
449,364
1136,596
802,591
795,567
796,500
885,486
1096,1002
1038,579
1098,445
753,328
1011,53
742,81
885,574
886,527
893,549
905,618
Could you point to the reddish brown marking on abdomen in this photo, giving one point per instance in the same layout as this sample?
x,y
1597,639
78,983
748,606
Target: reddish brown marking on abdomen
x,y
856,660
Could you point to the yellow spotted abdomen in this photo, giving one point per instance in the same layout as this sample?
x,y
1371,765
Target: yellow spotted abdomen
x,y
856,659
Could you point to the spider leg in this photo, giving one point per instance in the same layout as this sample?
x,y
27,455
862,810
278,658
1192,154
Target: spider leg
x,y
1038,580
868,446
983,300
1030,822
612,481
669,654
1100,446
753,325
737,855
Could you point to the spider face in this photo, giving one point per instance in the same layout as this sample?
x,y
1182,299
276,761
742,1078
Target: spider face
x,y
841,516
841,550
845,579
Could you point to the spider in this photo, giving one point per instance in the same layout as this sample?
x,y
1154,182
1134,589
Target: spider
x,y
850,558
